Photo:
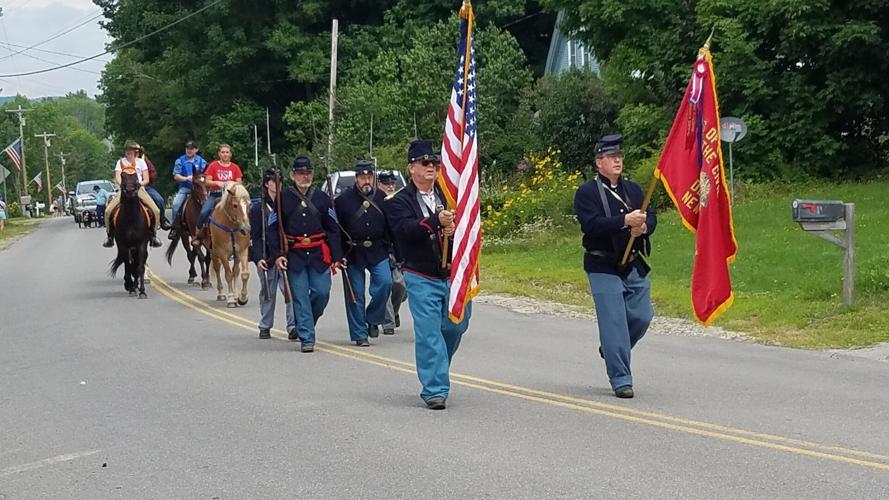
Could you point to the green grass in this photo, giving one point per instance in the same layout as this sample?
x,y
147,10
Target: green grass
x,y
787,283
15,229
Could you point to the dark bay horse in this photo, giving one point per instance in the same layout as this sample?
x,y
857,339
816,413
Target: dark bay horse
x,y
133,224
188,223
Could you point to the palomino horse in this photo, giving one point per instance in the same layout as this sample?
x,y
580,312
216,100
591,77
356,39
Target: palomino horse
x,y
132,229
188,227
230,240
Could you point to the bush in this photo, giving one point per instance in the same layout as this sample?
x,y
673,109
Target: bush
x,y
14,209
546,193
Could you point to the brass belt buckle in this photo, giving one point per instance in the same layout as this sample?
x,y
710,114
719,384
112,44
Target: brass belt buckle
x,y
307,241
367,243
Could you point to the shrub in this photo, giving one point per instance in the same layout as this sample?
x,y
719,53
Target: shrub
x,y
544,193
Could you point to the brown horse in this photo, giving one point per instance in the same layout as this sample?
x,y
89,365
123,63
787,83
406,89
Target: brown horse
x,y
188,223
229,228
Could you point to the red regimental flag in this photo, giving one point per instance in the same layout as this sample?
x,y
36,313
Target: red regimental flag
x,y
692,170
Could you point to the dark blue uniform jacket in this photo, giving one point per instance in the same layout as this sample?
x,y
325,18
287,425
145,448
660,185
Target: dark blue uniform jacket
x,y
365,225
304,222
417,237
271,232
605,238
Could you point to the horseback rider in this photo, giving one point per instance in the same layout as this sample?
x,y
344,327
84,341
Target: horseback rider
x,y
131,164
184,170
218,174
152,191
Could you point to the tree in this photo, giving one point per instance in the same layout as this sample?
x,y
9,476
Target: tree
x,y
806,75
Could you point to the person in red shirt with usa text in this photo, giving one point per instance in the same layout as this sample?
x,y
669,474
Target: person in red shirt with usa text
x,y
218,174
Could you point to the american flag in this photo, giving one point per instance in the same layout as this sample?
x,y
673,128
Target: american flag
x,y
37,180
14,152
459,173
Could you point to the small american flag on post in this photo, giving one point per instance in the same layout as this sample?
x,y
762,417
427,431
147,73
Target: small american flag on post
x,y
14,152
459,173
37,180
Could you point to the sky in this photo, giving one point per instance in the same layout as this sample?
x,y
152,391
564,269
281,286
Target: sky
x,y
27,22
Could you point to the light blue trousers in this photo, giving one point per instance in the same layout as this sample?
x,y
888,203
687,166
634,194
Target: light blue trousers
x,y
436,338
267,306
179,199
311,292
623,313
375,312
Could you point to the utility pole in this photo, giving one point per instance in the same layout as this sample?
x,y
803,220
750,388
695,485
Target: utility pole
x,y
64,182
46,145
334,35
21,114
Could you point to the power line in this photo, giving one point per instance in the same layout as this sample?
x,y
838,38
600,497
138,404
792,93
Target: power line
x,y
115,49
10,44
53,62
57,35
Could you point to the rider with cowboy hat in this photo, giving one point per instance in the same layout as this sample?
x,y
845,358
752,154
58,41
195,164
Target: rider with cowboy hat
x,y
132,164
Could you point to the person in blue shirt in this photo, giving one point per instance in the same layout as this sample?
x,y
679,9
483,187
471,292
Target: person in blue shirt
x,y
184,169
101,200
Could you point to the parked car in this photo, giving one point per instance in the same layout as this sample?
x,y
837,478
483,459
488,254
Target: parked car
x,y
85,199
345,179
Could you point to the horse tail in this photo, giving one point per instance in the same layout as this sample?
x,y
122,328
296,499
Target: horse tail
x,y
118,261
171,249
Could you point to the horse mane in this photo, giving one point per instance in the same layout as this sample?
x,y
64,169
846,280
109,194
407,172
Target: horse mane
x,y
240,193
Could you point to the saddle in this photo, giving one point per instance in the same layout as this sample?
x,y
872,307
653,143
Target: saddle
x,y
145,211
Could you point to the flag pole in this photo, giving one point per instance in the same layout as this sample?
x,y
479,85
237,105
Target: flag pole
x,y
654,177
465,11
643,209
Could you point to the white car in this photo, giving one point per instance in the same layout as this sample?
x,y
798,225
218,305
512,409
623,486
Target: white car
x,y
345,179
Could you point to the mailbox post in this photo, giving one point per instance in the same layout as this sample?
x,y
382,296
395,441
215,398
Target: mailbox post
x,y
822,218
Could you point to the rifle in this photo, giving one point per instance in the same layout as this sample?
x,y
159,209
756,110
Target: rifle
x,y
282,238
347,285
264,291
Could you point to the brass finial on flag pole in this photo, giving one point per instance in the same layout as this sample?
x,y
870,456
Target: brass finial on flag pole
x,y
709,39
466,8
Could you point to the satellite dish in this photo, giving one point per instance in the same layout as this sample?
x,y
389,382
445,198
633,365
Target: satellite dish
x,y
732,129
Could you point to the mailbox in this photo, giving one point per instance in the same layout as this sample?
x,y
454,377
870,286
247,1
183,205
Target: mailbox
x,y
821,218
818,210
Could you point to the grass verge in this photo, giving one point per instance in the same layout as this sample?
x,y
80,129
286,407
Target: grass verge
x,y
15,229
787,283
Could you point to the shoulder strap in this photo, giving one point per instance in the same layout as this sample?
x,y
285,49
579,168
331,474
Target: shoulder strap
x,y
370,201
602,196
308,203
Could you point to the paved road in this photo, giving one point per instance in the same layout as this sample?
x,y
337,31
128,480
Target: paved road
x,y
104,396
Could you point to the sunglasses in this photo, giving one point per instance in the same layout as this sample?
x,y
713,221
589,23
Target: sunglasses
x,y
430,163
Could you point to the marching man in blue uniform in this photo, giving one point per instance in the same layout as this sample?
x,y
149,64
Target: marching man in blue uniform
x,y
360,212
419,222
260,255
607,208
314,250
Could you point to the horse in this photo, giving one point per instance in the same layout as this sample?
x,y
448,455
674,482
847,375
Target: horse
x,y
133,225
188,227
229,228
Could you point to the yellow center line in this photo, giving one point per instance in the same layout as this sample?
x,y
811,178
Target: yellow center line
x,y
653,419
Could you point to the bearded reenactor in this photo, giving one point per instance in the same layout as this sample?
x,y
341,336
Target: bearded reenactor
x,y
360,212
313,249
608,209
420,222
